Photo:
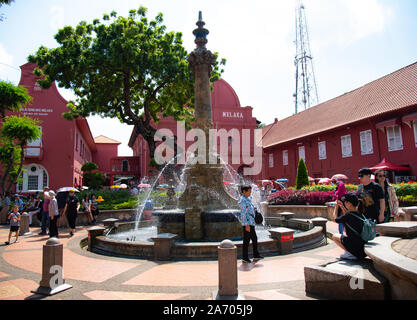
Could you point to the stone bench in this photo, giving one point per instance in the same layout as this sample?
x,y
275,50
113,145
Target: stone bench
x,y
403,229
346,280
400,270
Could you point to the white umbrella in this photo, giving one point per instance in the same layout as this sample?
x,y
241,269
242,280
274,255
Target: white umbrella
x,y
66,189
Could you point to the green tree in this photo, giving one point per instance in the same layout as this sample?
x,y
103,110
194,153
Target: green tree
x,y
92,178
8,2
12,97
15,133
302,175
125,68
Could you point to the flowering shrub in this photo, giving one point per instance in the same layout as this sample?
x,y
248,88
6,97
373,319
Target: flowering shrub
x,y
300,197
406,189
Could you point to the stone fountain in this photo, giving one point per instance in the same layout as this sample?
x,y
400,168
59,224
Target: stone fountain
x,y
205,199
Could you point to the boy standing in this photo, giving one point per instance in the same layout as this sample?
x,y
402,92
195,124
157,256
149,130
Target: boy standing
x,y
247,219
14,223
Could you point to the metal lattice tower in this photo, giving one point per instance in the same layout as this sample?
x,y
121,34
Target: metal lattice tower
x,y
306,93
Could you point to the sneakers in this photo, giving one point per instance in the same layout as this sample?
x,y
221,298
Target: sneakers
x,y
7,242
71,234
246,261
257,258
348,256
42,233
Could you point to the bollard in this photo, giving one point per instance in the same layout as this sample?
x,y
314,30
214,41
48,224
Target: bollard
x,y
93,233
320,222
285,239
110,222
162,246
24,224
52,281
228,286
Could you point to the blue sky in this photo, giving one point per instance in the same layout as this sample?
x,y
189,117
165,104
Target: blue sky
x,y
353,42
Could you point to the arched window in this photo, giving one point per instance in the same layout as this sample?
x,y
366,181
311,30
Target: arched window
x,y
35,177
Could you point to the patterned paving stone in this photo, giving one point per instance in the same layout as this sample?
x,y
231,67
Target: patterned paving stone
x,y
118,295
17,289
268,295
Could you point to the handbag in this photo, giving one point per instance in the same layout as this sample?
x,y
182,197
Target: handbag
x,y
258,217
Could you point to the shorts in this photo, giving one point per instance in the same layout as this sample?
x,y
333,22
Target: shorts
x,y
14,228
354,247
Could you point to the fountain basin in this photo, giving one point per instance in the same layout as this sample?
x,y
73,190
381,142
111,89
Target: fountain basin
x,y
216,225
182,249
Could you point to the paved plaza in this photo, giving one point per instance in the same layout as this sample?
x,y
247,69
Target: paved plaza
x,y
99,277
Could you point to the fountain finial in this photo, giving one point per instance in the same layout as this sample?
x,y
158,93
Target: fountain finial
x,y
200,33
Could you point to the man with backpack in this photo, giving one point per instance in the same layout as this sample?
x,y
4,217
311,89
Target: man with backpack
x,y
372,197
356,235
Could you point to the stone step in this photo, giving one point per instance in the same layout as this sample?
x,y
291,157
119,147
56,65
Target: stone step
x,y
346,280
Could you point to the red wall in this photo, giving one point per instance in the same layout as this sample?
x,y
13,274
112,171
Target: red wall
x,y
334,163
105,151
227,114
60,159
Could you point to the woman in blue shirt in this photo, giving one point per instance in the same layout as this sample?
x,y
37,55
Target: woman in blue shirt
x,y
247,219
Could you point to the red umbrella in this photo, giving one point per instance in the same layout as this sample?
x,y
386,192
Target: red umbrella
x,y
325,181
339,177
386,165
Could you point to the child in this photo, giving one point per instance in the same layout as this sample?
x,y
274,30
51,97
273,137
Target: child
x,y
247,219
14,223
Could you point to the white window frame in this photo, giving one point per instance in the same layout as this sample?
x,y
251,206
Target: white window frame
x,y
366,142
346,143
33,147
271,160
415,132
322,150
285,158
301,152
40,172
394,138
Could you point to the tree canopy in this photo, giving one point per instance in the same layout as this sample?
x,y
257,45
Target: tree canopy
x,y
12,97
16,132
128,68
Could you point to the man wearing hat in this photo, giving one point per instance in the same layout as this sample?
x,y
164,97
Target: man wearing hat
x,y
53,215
352,243
372,196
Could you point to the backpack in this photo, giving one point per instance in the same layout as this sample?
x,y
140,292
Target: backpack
x,y
368,232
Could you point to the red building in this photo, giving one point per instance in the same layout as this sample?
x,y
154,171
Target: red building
x,y
344,134
227,114
55,160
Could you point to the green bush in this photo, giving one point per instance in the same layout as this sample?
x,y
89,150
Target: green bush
x,y
302,175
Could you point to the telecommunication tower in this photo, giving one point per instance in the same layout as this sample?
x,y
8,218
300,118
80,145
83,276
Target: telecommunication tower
x,y
306,94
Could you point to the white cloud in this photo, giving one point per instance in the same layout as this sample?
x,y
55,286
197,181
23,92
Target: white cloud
x,y
57,18
343,22
7,71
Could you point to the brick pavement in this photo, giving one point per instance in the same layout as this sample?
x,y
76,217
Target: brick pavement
x,y
99,277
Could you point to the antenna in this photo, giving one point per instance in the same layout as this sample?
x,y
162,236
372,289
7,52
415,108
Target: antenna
x,y
306,93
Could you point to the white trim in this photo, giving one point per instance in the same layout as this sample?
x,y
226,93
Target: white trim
x,y
38,171
271,160
285,157
322,150
394,138
301,152
346,144
366,142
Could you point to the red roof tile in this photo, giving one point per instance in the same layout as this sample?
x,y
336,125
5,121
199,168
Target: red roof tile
x,y
389,93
